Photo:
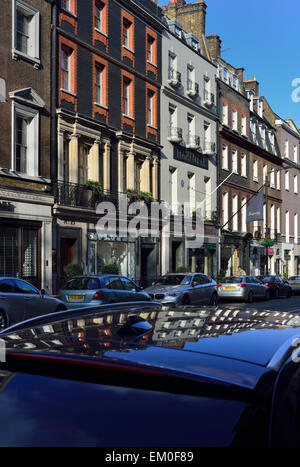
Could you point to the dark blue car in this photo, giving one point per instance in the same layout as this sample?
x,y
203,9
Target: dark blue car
x,y
138,375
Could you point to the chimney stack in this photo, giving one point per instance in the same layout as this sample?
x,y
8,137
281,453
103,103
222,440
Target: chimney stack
x,y
252,84
214,45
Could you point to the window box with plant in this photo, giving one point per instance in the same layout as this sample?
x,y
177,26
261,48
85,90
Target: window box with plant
x,y
134,195
91,192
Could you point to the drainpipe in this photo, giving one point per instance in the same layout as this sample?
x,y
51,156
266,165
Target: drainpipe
x,y
54,74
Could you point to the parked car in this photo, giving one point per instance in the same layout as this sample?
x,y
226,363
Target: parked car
x,y
246,288
184,289
200,377
294,282
20,300
277,286
98,290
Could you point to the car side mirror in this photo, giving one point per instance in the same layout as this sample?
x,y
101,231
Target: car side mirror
x,y
43,292
139,289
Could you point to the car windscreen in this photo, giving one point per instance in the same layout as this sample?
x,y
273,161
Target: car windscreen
x,y
82,283
267,279
174,280
232,280
294,278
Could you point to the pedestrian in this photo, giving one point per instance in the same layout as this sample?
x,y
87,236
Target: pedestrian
x,y
241,271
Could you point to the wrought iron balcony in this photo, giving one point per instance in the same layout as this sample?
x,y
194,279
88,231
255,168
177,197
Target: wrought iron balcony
x,y
175,134
75,195
192,88
174,78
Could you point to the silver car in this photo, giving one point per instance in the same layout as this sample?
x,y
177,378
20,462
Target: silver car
x,y
294,282
20,300
184,289
246,288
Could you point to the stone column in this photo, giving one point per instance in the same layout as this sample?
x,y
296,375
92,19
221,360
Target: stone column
x,y
74,158
145,175
130,169
120,168
106,166
60,155
155,179
93,168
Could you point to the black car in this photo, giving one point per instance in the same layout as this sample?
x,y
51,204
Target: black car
x,y
141,375
277,286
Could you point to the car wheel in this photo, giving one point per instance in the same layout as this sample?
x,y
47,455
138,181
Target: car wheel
x,y
214,300
250,297
185,300
3,320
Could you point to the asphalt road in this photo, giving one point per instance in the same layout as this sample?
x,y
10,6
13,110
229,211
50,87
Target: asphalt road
x,y
292,305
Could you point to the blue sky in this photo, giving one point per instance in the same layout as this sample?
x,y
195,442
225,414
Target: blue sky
x,y
262,37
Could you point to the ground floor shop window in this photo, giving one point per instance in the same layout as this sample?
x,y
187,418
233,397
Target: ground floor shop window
x,y
102,252
19,252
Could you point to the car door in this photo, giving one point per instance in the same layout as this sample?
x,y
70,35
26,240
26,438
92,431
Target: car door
x,y
197,290
260,291
207,289
32,300
132,293
115,290
280,284
11,302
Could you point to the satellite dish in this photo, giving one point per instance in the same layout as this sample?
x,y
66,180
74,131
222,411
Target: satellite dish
x,y
2,90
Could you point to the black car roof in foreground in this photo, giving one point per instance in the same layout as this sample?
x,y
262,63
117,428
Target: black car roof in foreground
x,y
225,347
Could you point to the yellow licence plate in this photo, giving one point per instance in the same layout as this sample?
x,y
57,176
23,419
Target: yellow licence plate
x,y
76,297
229,288
295,283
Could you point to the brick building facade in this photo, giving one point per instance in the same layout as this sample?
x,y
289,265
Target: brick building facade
x,y
25,208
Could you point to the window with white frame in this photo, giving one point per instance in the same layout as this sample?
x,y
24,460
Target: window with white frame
x,y
234,161
265,172
150,99
286,148
253,130
278,180
287,226
26,32
225,113
287,180
235,224
65,79
296,184
272,178
244,125
272,221
225,209
98,12
243,165
296,154
263,135
296,228
234,120
225,157
98,84
244,214
255,171
25,131
278,220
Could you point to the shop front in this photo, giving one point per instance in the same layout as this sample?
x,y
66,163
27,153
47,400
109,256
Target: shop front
x,y
26,238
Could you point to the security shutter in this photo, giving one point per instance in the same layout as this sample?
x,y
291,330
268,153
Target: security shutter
x,y
8,251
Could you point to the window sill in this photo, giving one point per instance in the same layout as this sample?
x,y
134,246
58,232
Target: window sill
x,y
152,126
152,64
68,12
17,54
128,116
68,92
101,32
101,105
128,49
255,179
